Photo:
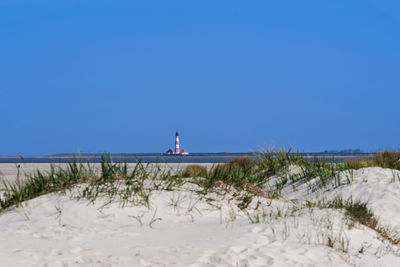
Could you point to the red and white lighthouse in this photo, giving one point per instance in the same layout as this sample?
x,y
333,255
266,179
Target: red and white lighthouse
x,y
177,150
177,143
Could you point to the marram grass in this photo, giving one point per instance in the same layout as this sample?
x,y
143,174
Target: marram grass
x,y
244,173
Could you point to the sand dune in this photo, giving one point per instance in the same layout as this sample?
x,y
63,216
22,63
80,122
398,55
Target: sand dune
x,y
180,228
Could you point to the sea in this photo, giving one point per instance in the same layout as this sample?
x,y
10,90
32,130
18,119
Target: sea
x,y
200,158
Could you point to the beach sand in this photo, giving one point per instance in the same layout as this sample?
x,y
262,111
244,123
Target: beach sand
x,y
179,228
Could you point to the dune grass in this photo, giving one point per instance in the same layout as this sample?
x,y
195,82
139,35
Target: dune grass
x,y
358,212
39,183
194,171
265,176
385,159
243,163
115,181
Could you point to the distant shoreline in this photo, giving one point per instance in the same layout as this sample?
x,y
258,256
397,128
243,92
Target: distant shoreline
x,y
159,158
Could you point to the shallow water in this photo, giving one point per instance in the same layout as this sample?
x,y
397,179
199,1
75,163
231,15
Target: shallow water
x,y
144,159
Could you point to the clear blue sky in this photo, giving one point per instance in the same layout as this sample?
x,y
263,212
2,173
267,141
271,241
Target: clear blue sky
x,y
123,76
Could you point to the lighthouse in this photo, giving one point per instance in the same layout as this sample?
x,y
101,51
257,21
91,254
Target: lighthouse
x,y
177,150
177,143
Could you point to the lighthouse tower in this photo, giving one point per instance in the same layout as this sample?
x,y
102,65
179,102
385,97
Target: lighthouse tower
x,y
177,150
177,143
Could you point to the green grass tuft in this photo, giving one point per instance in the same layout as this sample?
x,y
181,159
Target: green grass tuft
x,y
359,212
195,171
385,159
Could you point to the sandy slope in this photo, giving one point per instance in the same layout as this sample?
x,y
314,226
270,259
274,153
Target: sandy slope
x,y
378,186
59,230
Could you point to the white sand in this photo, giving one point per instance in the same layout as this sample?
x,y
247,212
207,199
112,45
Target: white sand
x,y
59,230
